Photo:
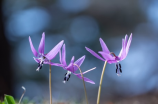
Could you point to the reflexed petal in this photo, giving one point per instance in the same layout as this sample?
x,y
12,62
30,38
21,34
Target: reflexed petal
x,y
104,47
129,43
42,44
86,71
121,49
94,54
55,64
106,56
70,67
37,60
60,56
126,37
32,48
86,79
79,62
54,51
63,55
112,61
123,54
72,59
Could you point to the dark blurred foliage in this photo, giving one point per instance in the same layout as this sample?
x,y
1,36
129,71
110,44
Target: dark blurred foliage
x,y
5,72
81,23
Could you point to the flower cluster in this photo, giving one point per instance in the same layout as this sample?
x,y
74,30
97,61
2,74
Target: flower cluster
x,y
42,58
71,68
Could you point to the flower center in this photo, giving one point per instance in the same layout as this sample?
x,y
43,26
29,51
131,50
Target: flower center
x,y
67,76
40,64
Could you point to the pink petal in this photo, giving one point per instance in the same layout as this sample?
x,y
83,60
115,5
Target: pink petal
x,y
63,55
32,48
86,79
42,44
70,67
54,51
106,56
55,64
94,54
129,43
104,47
60,56
78,62
37,60
122,54
112,61
126,37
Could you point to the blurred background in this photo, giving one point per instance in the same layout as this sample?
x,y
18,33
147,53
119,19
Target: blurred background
x,y
80,23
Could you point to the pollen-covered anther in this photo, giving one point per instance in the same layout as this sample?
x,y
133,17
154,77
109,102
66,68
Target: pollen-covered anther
x,y
67,76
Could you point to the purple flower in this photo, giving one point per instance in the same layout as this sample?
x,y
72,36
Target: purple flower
x,y
42,58
107,55
71,68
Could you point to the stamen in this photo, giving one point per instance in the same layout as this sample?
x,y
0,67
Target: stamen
x,y
113,54
67,76
120,70
116,67
120,67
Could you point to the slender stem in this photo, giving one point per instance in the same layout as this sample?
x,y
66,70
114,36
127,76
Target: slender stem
x,y
50,87
83,83
22,94
101,79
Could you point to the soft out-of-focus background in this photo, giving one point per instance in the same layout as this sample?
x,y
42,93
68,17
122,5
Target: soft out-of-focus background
x,y
81,23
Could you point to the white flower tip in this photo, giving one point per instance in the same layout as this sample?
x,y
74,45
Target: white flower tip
x,y
64,82
37,69
23,88
118,75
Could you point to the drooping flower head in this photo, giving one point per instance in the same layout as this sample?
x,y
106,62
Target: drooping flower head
x,y
72,68
42,58
110,57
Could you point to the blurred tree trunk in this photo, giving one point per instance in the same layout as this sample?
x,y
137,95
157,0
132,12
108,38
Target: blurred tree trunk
x,y
5,69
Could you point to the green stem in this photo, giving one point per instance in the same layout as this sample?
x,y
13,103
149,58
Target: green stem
x,y
101,80
50,87
83,83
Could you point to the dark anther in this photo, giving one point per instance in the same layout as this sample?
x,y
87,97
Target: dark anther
x,y
120,70
116,67
38,64
66,73
120,65
40,67
68,78
64,78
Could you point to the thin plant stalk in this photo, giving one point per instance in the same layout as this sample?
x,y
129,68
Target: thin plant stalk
x,y
22,94
50,86
101,80
83,83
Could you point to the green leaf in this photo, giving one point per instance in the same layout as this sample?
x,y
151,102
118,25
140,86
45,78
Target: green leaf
x,y
3,102
9,99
